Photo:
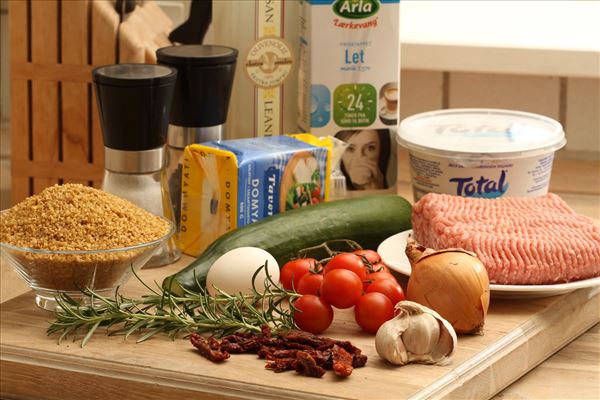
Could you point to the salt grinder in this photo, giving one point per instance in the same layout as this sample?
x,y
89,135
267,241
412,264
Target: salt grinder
x,y
133,103
202,92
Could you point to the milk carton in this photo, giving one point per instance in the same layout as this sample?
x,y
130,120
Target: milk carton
x,y
348,83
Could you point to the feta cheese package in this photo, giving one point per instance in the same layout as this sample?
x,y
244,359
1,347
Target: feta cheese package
x,y
349,84
232,183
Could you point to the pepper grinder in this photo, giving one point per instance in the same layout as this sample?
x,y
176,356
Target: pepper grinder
x,y
133,103
204,81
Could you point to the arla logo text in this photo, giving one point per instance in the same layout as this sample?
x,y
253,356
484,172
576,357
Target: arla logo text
x,y
482,187
356,9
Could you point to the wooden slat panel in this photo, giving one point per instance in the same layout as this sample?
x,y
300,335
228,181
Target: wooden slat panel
x,y
19,121
526,93
51,71
420,91
583,115
44,31
66,170
105,23
74,45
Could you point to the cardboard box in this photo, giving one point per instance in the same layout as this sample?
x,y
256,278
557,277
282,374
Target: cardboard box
x,y
232,183
348,83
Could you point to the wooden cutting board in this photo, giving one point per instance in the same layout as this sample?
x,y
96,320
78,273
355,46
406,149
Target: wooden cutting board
x,y
519,334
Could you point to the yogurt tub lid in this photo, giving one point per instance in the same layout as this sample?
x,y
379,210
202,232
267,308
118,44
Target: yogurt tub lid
x,y
481,132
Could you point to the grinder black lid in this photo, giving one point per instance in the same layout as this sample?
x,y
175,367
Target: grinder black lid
x,y
204,81
196,54
133,103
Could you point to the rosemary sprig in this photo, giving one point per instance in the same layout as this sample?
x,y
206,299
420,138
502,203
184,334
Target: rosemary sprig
x,y
160,311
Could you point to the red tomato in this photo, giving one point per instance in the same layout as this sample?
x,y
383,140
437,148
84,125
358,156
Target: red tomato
x,y
310,284
371,255
388,287
376,276
380,267
312,314
372,310
341,288
294,270
348,261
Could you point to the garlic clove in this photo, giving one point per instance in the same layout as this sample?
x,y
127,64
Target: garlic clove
x,y
416,335
388,341
445,346
422,334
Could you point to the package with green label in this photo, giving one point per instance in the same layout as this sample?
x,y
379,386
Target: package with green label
x,y
348,84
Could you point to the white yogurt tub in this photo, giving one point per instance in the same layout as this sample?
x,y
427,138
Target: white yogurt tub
x,y
481,152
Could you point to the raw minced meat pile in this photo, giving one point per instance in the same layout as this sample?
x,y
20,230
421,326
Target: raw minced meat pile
x,y
77,217
522,241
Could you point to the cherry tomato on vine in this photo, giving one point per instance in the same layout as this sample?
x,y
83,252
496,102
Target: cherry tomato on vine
x,y
310,284
389,288
312,314
376,276
380,267
341,288
371,255
372,310
294,270
347,261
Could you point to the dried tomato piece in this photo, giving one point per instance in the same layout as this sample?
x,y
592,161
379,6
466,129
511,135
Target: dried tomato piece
x,y
205,350
281,364
342,361
306,365
359,360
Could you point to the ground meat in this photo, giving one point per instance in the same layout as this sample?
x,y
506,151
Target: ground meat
x,y
538,240
293,350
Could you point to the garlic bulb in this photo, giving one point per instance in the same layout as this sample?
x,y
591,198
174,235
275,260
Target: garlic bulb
x,y
416,335
453,282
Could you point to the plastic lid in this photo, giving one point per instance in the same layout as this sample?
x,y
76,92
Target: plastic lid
x,y
133,102
481,131
134,75
204,82
196,54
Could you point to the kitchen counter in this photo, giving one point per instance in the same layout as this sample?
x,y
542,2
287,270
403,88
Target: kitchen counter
x,y
109,366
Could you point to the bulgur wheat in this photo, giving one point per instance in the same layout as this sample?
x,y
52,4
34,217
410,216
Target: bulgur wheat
x,y
75,217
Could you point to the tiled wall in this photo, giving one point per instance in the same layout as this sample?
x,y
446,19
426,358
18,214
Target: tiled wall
x,y
573,102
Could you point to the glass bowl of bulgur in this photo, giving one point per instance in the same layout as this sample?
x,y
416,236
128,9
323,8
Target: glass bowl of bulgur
x,y
70,238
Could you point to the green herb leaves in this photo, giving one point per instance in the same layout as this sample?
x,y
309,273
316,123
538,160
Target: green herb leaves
x,y
163,312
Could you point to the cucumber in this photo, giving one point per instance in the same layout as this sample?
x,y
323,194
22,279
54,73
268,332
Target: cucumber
x,y
366,220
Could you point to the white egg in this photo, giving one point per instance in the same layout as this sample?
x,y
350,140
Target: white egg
x,y
233,271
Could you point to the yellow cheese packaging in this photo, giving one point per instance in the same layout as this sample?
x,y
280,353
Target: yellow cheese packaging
x,y
231,183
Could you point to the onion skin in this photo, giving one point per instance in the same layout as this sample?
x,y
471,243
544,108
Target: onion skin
x,y
453,282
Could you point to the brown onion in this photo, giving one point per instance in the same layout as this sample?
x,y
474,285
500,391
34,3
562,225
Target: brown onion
x,y
453,282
